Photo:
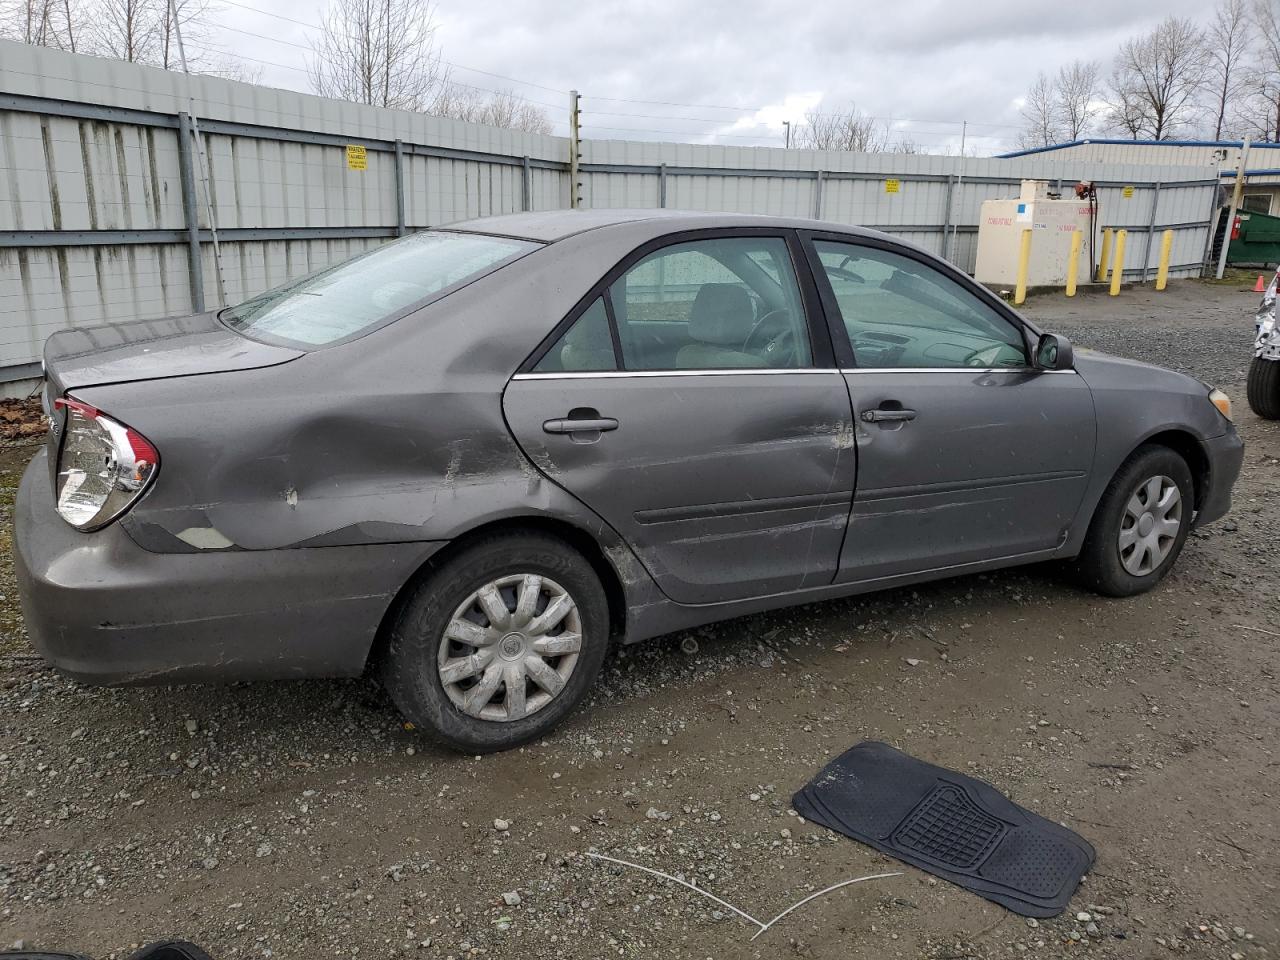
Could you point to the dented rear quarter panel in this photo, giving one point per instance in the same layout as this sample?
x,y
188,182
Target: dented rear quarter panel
x,y
396,437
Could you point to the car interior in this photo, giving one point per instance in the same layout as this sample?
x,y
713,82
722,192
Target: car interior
x,y
900,313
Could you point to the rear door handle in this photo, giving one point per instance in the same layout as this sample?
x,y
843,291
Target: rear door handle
x,y
889,416
566,425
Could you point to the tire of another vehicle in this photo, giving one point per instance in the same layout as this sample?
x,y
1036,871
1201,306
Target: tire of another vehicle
x,y
1100,566
411,663
1264,388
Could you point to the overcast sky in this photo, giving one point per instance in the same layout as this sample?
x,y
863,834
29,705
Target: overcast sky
x,y
927,64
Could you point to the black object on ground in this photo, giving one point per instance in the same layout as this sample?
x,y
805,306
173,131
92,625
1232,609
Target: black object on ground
x,y
164,950
954,826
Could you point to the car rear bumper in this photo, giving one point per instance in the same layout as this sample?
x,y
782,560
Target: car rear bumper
x,y
101,609
1225,454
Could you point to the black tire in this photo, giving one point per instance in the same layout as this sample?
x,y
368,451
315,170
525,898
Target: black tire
x,y
410,670
1264,388
1099,566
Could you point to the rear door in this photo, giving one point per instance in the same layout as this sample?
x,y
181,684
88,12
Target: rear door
x,y
691,403
966,453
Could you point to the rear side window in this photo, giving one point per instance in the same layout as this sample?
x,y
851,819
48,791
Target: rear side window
x,y
586,346
358,294
723,303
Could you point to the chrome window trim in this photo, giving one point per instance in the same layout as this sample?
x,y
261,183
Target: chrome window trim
x,y
969,370
767,371
623,374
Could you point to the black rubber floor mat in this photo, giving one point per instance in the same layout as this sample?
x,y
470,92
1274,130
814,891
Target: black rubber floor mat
x,y
954,826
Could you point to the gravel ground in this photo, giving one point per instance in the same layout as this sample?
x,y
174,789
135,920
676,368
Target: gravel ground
x,y
302,820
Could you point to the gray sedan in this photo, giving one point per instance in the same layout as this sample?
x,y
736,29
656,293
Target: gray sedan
x,y
474,458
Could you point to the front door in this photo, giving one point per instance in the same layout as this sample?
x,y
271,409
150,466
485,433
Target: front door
x,y
683,405
965,452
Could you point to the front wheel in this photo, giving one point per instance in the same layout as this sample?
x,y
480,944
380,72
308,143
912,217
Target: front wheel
x,y
1140,524
1264,388
499,644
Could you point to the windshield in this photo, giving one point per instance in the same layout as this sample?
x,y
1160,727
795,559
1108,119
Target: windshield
x,y
358,294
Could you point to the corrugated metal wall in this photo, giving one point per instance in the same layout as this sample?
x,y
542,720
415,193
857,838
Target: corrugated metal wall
x,y
94,218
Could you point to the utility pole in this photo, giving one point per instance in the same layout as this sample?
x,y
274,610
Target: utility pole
x,y
787,124
1236,196
575,150
955,226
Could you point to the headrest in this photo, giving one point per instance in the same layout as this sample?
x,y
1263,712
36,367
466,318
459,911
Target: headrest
x,y
722,314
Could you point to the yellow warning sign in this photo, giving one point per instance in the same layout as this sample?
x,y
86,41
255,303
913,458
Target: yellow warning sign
x,y
1128,192
357,157
891,186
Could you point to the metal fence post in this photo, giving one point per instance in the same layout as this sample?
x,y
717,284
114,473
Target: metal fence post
x,y
662,185
400,227
191,211
946,248
526,186
817,195
1151,231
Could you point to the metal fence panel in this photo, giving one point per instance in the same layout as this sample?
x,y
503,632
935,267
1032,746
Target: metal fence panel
x,y
94,225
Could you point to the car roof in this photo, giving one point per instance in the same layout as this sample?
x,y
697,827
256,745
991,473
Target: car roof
x,y
548,226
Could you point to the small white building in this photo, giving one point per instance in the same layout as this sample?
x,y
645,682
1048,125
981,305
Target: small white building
x,y
1262,184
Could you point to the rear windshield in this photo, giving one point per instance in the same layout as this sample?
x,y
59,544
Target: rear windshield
x,y
359,294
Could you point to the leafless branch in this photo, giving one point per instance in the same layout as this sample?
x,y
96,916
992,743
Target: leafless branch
x,y
1156,79
379,52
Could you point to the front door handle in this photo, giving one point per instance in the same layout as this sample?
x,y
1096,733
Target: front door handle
x,y
584,425
888,416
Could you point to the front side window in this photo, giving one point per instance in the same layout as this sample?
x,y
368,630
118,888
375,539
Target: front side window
x,y
725,303
900,312
358,294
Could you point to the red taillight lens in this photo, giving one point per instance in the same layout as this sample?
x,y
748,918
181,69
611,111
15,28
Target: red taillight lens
x,y
103,466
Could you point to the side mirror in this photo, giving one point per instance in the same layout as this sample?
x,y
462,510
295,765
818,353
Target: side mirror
x,y
1054,353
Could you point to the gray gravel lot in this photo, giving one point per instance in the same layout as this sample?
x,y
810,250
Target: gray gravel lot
x,y
301,819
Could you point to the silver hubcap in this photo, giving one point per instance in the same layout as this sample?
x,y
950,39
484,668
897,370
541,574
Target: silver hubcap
x,y
510,647
1152,519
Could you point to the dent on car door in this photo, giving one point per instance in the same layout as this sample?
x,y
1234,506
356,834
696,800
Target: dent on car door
x,y
966,453
681,403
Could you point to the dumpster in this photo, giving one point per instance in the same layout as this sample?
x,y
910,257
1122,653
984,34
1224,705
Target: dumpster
x,y
1255,239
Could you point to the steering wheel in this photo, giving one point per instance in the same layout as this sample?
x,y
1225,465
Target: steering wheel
x,y
844,274
782,339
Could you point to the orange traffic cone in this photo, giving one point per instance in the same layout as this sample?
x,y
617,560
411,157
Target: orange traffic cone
x,y
1259,287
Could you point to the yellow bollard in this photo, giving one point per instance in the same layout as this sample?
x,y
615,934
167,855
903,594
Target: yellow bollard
x,y
1162,274
1106,253
1024,263
1073,263
1117,262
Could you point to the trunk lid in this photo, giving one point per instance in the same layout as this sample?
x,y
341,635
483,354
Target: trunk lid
x,y
152,349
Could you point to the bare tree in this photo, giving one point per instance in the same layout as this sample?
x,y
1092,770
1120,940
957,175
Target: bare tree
x,y
1125,110
1156,79
498,109
379,52
1041,114
125,29
1228,47
1261,111
42,23
850,129
1077,92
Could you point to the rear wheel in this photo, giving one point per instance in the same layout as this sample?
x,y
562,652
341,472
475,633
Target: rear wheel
x,y
499,644
1140,524
1264,388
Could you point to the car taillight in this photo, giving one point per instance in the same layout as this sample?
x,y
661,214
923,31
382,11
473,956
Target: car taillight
x,y
103,466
